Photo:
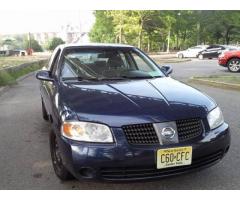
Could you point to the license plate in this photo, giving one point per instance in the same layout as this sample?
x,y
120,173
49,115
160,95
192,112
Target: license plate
x,y
173,157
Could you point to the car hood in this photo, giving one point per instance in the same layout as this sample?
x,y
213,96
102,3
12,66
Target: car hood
x,y
134,101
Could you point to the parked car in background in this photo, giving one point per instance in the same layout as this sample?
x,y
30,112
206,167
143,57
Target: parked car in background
x,y
191,52
13,53
20,52
3,52
230,48
231,60
118,116
213,51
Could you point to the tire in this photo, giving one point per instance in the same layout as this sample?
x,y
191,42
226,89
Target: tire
x,y
200,57
234,65
44,112
180,56
60,170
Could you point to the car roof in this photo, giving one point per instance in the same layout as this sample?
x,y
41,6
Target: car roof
x,y
63,46
231,46
202,46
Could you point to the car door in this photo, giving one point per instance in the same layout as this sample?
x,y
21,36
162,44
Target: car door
x,y
212,51
222,48
193,52
190,52
50,89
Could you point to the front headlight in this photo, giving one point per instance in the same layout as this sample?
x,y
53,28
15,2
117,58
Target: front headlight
x,y
215,118
87,132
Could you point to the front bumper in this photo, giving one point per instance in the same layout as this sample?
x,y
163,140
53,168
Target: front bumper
x,y
123,162
222,61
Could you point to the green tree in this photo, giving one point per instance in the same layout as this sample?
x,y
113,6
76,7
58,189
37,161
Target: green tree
x,y
103,29
166,30
36,46
54,42
10,42
32,43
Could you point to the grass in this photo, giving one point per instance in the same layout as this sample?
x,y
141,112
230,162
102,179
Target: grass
x,y
221,81
9,78
8,61
161,59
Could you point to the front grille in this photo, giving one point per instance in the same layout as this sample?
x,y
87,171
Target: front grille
x,y
141,134
135,173
188,129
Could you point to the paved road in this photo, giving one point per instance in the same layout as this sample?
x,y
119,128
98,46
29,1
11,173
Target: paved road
x,y
25,158
197,67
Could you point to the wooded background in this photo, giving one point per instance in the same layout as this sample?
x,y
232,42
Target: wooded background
x,y
166,30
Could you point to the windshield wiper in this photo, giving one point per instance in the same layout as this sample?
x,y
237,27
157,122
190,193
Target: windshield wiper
x,y
112,78
141,77
92,79
79,79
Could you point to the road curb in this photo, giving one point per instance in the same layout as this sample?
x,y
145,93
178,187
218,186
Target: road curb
x,y
25,76
170,61
215,83
176,61
3,89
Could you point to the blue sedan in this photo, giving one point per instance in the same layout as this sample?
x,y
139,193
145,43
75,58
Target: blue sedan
x,y
116,115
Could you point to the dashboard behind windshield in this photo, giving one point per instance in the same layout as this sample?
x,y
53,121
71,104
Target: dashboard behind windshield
x,y
107,64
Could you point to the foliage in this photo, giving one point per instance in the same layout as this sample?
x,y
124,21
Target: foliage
x,y
154,30
54,42
21,41
14,42
10,77
103,28
36,46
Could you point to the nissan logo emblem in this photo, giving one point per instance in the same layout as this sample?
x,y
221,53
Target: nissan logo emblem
x,y
168,132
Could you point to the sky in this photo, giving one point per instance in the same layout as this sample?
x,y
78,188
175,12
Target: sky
x,y
15,22
21,16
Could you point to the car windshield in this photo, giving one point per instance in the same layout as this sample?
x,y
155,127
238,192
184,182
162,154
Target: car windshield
x,y
114,63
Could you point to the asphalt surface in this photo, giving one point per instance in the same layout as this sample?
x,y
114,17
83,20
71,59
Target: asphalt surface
x,y
25,157
196,67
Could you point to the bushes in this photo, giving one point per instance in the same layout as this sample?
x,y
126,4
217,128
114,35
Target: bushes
x,y
9,76
6,78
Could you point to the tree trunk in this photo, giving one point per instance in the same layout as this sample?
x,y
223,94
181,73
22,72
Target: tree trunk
x,y
120,35
227,35
148,45
168,40
121,28
184,39
177,42
198,33
140,35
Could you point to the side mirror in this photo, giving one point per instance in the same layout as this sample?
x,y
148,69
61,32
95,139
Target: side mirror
x,y
167,70
44,75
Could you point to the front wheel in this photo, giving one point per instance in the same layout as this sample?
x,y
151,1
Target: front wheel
x,y
180,56
58,166
200,57
234,65
44,112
